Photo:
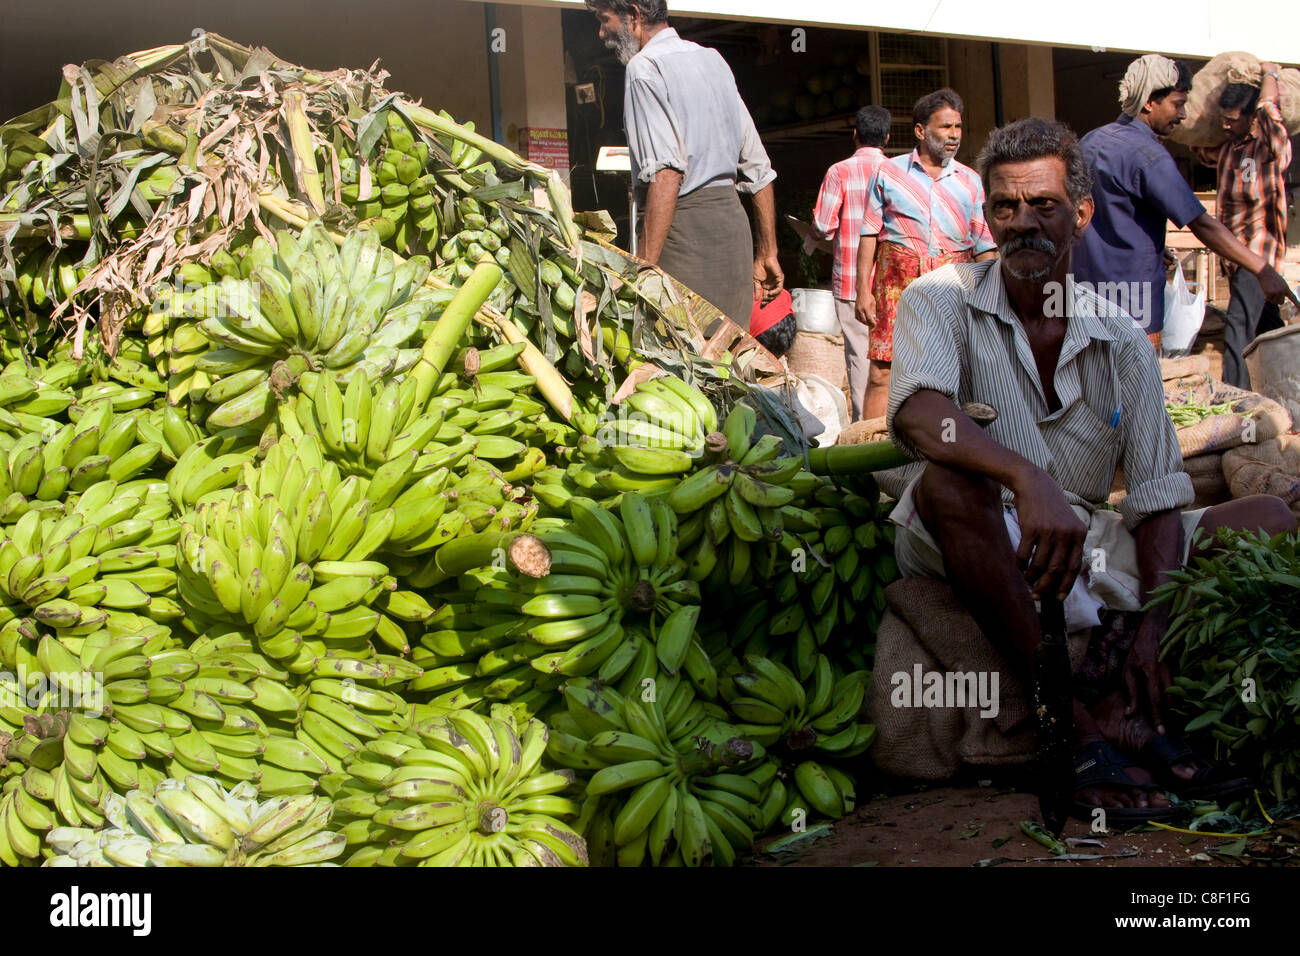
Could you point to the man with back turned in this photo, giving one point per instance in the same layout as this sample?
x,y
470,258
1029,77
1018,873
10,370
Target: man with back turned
x,y
693,146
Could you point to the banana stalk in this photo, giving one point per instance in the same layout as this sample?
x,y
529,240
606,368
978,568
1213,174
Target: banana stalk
x,y
879,455
302,153
856,459
450,327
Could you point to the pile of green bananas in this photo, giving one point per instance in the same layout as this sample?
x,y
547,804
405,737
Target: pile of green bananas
x,y
240,341
459,790
669,783
195,822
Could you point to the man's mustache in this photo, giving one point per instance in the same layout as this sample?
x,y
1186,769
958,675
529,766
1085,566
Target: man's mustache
x,y
1032,243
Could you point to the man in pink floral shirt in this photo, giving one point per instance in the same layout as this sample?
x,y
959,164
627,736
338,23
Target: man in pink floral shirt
x,y
841,205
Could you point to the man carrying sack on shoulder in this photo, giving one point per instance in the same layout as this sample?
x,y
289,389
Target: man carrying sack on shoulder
x,y
1252,168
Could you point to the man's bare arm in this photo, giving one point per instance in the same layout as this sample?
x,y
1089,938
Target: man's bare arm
x,y
1051,544
768,277
1220,240
864,306
660,204
986,254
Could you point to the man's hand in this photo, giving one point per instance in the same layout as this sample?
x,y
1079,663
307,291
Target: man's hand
x,y
1171,258
1145,674
1276,289
864,310
1051,537
768,278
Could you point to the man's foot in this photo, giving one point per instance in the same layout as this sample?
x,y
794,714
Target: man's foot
x,y
1190,776
1175,765
1107,784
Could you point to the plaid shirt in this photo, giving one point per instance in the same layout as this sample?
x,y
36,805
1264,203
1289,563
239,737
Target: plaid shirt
x,y
1252,185
841,205
928,216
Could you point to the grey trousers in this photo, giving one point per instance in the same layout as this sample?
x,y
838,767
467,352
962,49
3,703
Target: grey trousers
x,y
856,339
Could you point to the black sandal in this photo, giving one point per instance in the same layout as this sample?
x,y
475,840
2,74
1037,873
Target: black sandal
x,y
1100,763
1213,781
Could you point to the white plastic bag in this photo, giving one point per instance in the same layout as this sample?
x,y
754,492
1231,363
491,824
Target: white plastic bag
x,y
1184,313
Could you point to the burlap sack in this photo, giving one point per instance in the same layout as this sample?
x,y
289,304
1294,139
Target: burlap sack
x,y
1266,468
1208,481
1202,125
1258,418
1195,368
924,624
860,433
821,355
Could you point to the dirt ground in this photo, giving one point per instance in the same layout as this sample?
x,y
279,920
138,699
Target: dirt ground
x,y
959,826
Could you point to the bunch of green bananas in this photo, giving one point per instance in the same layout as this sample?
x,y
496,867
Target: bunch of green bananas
x,y
44,278
41,788
460,789
614,603
217,707
823,599
396,194
303,305
96,444
646,444
195,822
290,556
406,453
109,548
669,782
478,237
770,705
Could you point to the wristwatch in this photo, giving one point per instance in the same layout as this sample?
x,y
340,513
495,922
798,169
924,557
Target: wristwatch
x,y
1273,74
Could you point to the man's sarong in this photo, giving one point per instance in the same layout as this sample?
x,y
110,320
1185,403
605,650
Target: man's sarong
x,y
896,268
710,250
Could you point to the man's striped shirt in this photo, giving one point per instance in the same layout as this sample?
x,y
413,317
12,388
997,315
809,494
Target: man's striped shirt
x,y
841,205
929,216
957,334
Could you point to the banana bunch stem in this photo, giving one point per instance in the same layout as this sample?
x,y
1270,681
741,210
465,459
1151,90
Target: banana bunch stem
x,y
879,455
451,326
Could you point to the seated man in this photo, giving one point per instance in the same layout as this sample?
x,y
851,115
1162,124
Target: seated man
x,y
1007,515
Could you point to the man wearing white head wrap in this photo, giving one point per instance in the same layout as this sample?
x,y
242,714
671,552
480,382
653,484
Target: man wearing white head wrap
x,y
1136,189
1143,77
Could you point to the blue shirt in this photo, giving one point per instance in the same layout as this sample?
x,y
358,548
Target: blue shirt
x,y
1136,189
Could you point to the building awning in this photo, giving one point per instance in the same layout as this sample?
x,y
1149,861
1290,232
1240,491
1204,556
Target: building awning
x,y
1195,28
